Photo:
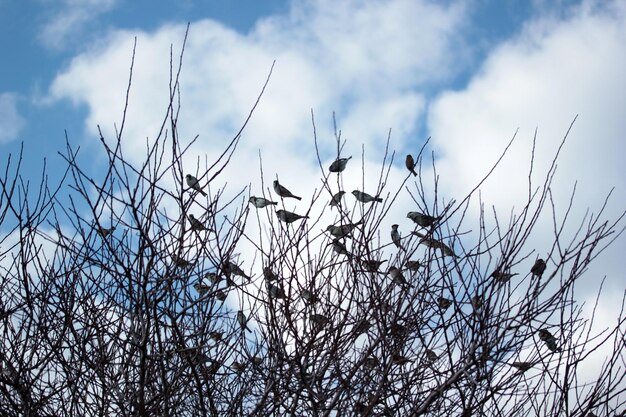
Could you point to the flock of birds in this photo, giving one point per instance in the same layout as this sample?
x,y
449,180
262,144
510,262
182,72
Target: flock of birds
x,y
342,231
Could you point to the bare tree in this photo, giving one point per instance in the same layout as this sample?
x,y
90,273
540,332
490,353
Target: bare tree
x,y
130,297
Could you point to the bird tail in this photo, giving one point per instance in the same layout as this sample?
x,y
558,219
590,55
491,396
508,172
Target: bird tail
x,y
203,193
378,199
297,198
414,173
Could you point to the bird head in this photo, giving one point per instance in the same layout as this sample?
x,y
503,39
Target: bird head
x,y
394,226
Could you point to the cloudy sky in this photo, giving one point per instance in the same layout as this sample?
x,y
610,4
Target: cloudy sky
x,y
468,74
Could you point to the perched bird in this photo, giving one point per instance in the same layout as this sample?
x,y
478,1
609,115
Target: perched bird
x,y
319,319
309,296
435,244
181,262
238,366
372,265
371,362
213,277
340,248
502,277
216,335
256,361
477,301
365,198
423,220
538,268
444,303
243,321
431,355
336,199
103,232
548,339
397,276
195,223
343,230
339,164
260,202
410,164
289,217
395,236
231,268
283,192
269,275
274,291
362,326
193,183
399,359
201,288
522,366
413,265
220,295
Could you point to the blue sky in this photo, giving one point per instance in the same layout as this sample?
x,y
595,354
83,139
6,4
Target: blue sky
x,y
469,73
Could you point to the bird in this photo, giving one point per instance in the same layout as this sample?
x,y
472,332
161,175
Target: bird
x,y
413,265
181,262
444,303
395,236
201,288
213,277
289,217
343,230
399,359
398,276
216,335
220,295
319,319
274,290
431,355
336,198
410,164
238,367
340,248
477,301
371,362
195,223
260,202
422,219
283,192
362,326
269,275
103,232
309,296
435,244
243,321
372,265
538,268
502,277
231,268
365,198
548,339
522,366
193,183
256,361
339,164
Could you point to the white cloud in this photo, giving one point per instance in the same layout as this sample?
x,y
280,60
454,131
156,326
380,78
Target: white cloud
x,y
11,123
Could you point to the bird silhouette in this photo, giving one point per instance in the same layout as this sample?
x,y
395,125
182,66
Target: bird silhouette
x,y
548,339
103,232
334,202
435,244
193,183
397,276
343,230
260,202
274,290
372,265
283,192
413,265
365,198
421,219
201,288
289,217
538,268
410,164
195,223
395,236
522,366
243,321
231,268
339,164
502,277
340,248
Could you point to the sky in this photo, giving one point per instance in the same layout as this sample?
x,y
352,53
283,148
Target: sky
x,y
469,74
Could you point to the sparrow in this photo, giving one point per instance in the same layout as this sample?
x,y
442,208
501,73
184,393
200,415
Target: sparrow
x,y
336,199
260,202
201,288
340,248
216,335
309,296
195,223
256,361
289,217
431,355
410,164
181,262
423,220
399,359
193,183
372,265
269,275
522,366
395,236
283,192
220,295
339,164
502,277
343,230
103,232
477,301
274,291
413,265
231,268
397,276
444,303
243,321
548,339
319,319
213,277
371,362
365,198
362,326
435,244
538,268
238,367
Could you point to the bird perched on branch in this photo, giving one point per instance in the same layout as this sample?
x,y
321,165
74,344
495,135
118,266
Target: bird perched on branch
x,y
103,232
195,223
372,265
334,202
269,275
309,296
435,244
423,220
319,319
365,198
201,288
502,277
343,230
413,265
274,291
395,236
522,366
243,321
410,164
548,339
444,303
283,192
231,268
193,183
213,277
339,164
289,217
538,268
340,248
260,202
181,262
398,276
